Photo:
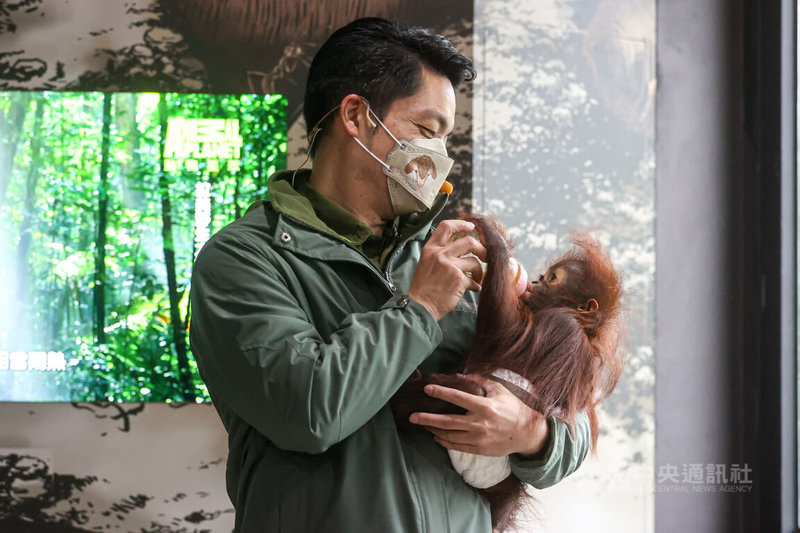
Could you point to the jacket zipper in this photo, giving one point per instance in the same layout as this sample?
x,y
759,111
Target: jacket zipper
x,y
395,244
398,244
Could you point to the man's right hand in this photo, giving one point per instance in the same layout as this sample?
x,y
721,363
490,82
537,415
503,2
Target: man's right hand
x,y
443,274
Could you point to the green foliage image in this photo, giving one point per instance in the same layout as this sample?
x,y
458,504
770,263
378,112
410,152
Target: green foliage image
x,y
105,200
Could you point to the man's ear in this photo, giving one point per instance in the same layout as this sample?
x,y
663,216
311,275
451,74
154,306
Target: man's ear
x,y
590,306
354,115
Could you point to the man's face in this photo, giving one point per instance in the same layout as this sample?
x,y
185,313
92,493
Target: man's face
x,y
428,113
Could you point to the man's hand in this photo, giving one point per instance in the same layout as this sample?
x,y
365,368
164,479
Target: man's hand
x,y
495,425
443,274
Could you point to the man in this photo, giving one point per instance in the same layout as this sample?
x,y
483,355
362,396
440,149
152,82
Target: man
x,y
311,310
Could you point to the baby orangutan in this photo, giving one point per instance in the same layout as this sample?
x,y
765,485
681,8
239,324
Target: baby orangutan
x,y
555,347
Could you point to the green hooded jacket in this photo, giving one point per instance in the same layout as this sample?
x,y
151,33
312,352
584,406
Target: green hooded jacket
x,y
302,341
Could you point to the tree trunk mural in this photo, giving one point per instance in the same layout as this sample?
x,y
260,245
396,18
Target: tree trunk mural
x,y
102,223
178,330
11,124
125,119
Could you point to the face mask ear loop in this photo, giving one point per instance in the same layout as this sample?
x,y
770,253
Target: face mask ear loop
x,y
308,153
375,157
311,138
383,126
356,139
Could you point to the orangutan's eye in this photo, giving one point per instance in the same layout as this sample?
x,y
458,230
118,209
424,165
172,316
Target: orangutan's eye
x,y
552,277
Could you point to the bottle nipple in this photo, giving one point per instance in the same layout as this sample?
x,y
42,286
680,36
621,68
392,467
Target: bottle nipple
x,y
520,276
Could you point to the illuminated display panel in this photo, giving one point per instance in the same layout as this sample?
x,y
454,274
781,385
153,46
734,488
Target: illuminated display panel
x,y
105,200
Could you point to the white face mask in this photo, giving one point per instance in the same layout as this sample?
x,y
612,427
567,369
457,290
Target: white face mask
x,y
416,170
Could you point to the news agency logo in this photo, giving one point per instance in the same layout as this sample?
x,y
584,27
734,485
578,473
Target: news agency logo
x,y
708,478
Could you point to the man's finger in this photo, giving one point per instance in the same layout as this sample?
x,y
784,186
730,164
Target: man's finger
x,y
459,447
467,245
433,420
472,286
468,401
456,437
471,266
447,228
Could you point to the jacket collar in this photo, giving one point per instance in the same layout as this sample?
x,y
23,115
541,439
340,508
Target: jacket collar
x,y
294,206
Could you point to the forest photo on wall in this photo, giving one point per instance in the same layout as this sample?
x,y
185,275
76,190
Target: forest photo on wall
x,y
105,200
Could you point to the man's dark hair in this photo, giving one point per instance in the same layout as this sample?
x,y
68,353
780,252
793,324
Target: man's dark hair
x,y
381,61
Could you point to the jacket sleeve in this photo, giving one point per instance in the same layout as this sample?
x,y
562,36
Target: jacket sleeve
x,y
564,454
263,359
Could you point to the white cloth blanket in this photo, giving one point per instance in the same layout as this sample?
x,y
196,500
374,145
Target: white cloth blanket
x,y
481,471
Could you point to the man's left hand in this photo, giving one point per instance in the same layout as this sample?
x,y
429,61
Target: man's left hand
x,y
495,425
